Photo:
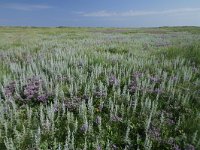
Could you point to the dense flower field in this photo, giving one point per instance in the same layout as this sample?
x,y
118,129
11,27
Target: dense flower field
x,y
96,89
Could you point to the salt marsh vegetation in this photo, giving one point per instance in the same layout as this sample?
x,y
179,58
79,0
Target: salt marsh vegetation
x,y
96,88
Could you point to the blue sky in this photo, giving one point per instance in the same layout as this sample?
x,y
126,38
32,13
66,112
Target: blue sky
x,y
100,13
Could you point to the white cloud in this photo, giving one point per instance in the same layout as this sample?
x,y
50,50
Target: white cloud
x,y
24,7
132,13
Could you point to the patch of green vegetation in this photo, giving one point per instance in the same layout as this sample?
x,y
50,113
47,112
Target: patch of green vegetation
x,y
189,52
190,29
4,70
114,50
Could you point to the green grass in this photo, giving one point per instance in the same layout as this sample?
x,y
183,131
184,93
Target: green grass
x,y
189,52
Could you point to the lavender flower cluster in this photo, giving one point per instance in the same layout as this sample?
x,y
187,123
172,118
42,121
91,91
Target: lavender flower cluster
x,y
100,93
113,81
115,118
169,118
98,120
155,79
172,142
84,127
31,91
155,133
10,89
73,103
137,74
133,86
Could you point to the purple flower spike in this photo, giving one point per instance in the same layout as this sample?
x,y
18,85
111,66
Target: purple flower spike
x,y
170,121
158,91
100,94
31,89
190,147
194,69
115,118
98,120
133,86
29,96
84,127
98,147
42,98
113,81
176,147
155,133
155,79
114,147
10,89
137,74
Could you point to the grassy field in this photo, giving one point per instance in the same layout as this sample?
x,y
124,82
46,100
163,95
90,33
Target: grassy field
x,y
99,88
